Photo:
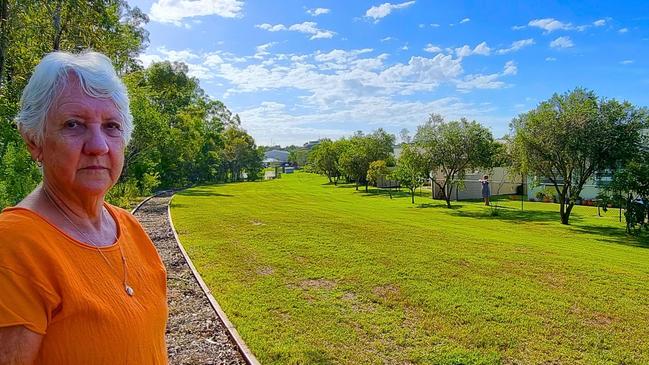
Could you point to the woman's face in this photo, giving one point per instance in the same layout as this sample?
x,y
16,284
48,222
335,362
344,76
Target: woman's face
x,y
83,147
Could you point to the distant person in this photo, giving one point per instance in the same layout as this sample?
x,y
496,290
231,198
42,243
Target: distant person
x,y
486,192
80,280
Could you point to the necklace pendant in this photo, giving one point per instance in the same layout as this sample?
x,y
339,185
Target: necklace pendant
x,y
129,291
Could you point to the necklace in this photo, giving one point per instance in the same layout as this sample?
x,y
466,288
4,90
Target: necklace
x,y
127,288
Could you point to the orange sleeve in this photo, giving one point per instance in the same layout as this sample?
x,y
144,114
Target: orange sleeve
x,y
24,302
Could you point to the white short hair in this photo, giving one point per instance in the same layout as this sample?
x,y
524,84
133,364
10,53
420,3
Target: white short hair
x,y
96,76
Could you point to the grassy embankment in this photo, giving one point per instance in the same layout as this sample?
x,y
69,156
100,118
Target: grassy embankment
x,y
316,274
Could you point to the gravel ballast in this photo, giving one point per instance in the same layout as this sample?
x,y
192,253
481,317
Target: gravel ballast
x,y
195,335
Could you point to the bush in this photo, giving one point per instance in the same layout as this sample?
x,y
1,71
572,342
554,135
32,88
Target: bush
x,y
148,183
123,193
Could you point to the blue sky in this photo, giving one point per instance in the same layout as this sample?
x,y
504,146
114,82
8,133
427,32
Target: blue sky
x,y
303,70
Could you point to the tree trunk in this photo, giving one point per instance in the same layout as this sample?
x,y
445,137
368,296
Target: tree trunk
x,y
412,196
366,186
58,29
565,212
4,36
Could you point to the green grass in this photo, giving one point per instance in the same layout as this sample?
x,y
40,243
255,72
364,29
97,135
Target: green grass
x,y
310,273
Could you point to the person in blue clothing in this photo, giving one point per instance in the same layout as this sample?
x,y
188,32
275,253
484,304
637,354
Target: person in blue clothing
x,y
486,193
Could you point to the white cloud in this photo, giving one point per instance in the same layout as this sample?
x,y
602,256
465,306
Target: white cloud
x,y
262,50
318,11
422,26
549,24
599,23
627,62
510,68
517,45
434,25
305,27
174,11
212,59
182,56
623,30
480,82
148,59
405,47
432,48
340,89
562,42
383,10
340,56
491,81
270,27
480,49
518,27
386,39
550,59
465,20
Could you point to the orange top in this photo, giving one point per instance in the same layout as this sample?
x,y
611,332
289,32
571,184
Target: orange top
x,y
63,289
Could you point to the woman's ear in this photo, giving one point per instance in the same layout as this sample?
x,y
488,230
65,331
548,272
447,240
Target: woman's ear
x,y
33,145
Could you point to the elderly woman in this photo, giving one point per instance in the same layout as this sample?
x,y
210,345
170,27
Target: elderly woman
x,y
80,280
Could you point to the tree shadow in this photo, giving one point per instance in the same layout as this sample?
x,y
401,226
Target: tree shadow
x,y
440,204
203,192
510,214
615,235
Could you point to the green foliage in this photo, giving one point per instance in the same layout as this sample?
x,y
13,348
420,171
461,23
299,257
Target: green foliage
x,y
546,194
18,174
412,168
360,150
573,135
378,169
123,194
631,184
324,159
298,156
240,155
452,148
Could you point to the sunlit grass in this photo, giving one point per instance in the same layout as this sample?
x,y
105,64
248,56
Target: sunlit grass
x,y
315,274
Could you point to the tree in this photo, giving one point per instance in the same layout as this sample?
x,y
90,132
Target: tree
x,y
298,156
361,150
631,183
452,148
324,159
240,154
379,170
569,137
412,167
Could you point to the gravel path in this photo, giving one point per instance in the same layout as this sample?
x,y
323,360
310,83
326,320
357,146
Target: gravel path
x,y
194,333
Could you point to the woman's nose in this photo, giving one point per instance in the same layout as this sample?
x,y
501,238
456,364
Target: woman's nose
x,y
96,141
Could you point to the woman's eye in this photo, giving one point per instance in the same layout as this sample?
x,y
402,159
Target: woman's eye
x,y
114,129
72,124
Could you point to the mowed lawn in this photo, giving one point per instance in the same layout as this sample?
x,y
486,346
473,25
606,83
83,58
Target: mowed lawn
x,y
311,273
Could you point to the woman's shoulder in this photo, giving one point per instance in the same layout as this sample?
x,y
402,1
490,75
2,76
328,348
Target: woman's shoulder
x,y
24,238
18,221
